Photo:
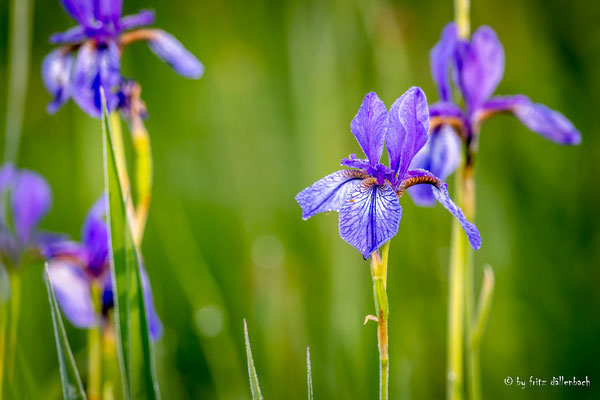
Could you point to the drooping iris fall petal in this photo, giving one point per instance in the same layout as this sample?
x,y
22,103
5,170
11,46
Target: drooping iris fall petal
x,y
370,216
328,194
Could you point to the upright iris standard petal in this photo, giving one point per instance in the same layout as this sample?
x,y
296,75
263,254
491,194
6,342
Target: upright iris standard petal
x,y
31,199
143,18
154,324
407,129
171,51
539,118
480,67
441,58
95,237
56,74
370,216
440,191
369,126
95,67
329,193
81,10
107,11
440,156
72,291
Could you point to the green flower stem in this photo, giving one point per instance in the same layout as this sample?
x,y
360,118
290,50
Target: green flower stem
x,y
3,326
461,16
455,343
379,274
15,309
95,350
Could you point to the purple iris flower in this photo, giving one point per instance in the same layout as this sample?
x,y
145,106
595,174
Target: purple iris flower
x,y
477,67
89,57
74,267
367,197
25,198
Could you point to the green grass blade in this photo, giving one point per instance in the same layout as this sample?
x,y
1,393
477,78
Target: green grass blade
x,y
71,383
142,331
254,387
117,222
134,343
309,375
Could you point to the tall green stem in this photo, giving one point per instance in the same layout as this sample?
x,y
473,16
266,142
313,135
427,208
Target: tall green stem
x,y
20,30
456,293
461,269
3,326
95,350
379,274
15,309
461,16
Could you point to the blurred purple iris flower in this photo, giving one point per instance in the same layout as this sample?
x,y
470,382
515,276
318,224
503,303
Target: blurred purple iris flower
x,y
367,197
91,53
73,267
477,67
25,198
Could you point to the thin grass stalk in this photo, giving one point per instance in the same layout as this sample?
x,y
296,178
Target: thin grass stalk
x,y
95,351
20,45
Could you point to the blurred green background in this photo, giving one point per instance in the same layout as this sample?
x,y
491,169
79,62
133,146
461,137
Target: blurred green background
x,y
225,239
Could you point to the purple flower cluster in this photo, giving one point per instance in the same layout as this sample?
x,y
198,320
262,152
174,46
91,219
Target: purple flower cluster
x,y
367,197
25,199
73,268
90,55
477,67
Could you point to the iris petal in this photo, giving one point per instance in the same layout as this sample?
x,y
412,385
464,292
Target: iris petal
x,y
75,34
95,236
171,51
441,58
407,130
31,199
480,65
154,324
370,216
329,193
441,156
72,291
95,68
440,191
143,18
369,126
108,10
551,124
81,10
56,74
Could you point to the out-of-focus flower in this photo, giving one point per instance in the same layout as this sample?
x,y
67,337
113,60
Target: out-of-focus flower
x,y
25,198
477,67
74,267
367,197
89,57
